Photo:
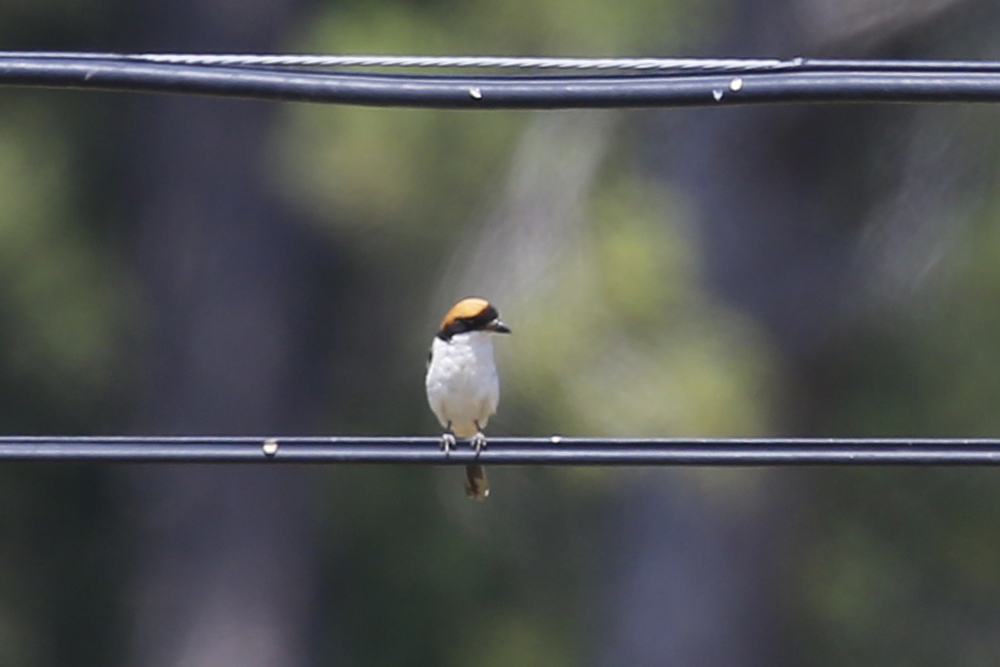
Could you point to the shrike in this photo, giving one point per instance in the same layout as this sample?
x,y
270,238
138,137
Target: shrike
x,y
462,384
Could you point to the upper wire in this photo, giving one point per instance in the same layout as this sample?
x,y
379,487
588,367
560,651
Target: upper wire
x,y
667,64
577,83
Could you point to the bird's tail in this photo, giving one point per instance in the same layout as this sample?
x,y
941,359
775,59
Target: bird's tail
x,y
476,486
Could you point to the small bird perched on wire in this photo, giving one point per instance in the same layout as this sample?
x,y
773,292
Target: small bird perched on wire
x,y
462,384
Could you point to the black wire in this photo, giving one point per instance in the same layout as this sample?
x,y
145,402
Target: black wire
x,y
814,81
556,451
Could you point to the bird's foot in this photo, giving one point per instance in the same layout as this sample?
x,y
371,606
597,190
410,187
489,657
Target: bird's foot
x,y
447,442
478,442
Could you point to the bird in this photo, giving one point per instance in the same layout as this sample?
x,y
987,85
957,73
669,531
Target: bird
x,y
463,388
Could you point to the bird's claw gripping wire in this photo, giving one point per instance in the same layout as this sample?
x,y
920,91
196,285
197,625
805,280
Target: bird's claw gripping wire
x,y
478,441
447,442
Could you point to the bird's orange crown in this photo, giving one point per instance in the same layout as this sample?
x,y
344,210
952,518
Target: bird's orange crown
x,y
466,308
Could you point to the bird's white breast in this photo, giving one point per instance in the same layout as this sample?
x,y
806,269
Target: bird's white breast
x,y
462,383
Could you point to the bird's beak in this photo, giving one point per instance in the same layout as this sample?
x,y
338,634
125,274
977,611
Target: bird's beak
x,y
496,326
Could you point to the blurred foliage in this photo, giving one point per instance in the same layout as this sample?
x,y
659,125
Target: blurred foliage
x,y
896,567
418,575
61,559
64,311
377,174
63,314
61,290
626,343
901,567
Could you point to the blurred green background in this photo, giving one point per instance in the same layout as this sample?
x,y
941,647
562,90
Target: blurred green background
x,y
175,265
